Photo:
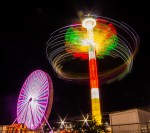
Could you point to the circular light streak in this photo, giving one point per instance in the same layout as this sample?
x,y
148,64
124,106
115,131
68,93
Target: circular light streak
x,y
35,100
116,44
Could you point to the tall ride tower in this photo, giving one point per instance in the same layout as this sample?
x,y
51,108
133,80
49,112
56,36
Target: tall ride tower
x,y
89,24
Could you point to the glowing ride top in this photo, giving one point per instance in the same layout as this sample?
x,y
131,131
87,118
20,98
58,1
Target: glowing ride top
x,y
89,23
115,41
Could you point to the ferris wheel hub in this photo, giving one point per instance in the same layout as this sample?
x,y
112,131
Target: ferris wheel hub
x,y
30,99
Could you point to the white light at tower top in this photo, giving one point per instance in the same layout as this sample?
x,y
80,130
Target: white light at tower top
x,y
89,23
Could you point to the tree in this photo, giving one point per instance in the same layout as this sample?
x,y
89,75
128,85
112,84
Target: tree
x,y
88,127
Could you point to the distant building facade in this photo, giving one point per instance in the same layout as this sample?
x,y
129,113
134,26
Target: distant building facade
x,y
127,121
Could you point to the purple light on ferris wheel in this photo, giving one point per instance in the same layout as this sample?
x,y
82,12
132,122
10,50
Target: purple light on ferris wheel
x,y
35,100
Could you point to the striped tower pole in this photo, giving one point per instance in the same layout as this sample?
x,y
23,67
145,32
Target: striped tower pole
x,y
89,24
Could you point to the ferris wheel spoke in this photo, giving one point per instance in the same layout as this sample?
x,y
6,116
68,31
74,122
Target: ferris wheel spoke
x,y
22,107
38,117
23,94
42,101
32,117
40,77
22,98
43,96
40,109
44,81
44,87
24,114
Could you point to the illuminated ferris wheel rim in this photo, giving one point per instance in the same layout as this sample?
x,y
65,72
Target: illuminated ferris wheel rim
x,y
126,50
35,100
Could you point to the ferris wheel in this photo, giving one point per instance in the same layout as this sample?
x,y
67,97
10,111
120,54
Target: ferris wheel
x,y
35,100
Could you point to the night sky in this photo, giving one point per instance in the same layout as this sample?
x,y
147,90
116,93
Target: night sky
x,y
25,29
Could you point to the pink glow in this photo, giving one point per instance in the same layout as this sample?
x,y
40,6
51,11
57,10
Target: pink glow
x,y
35,100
